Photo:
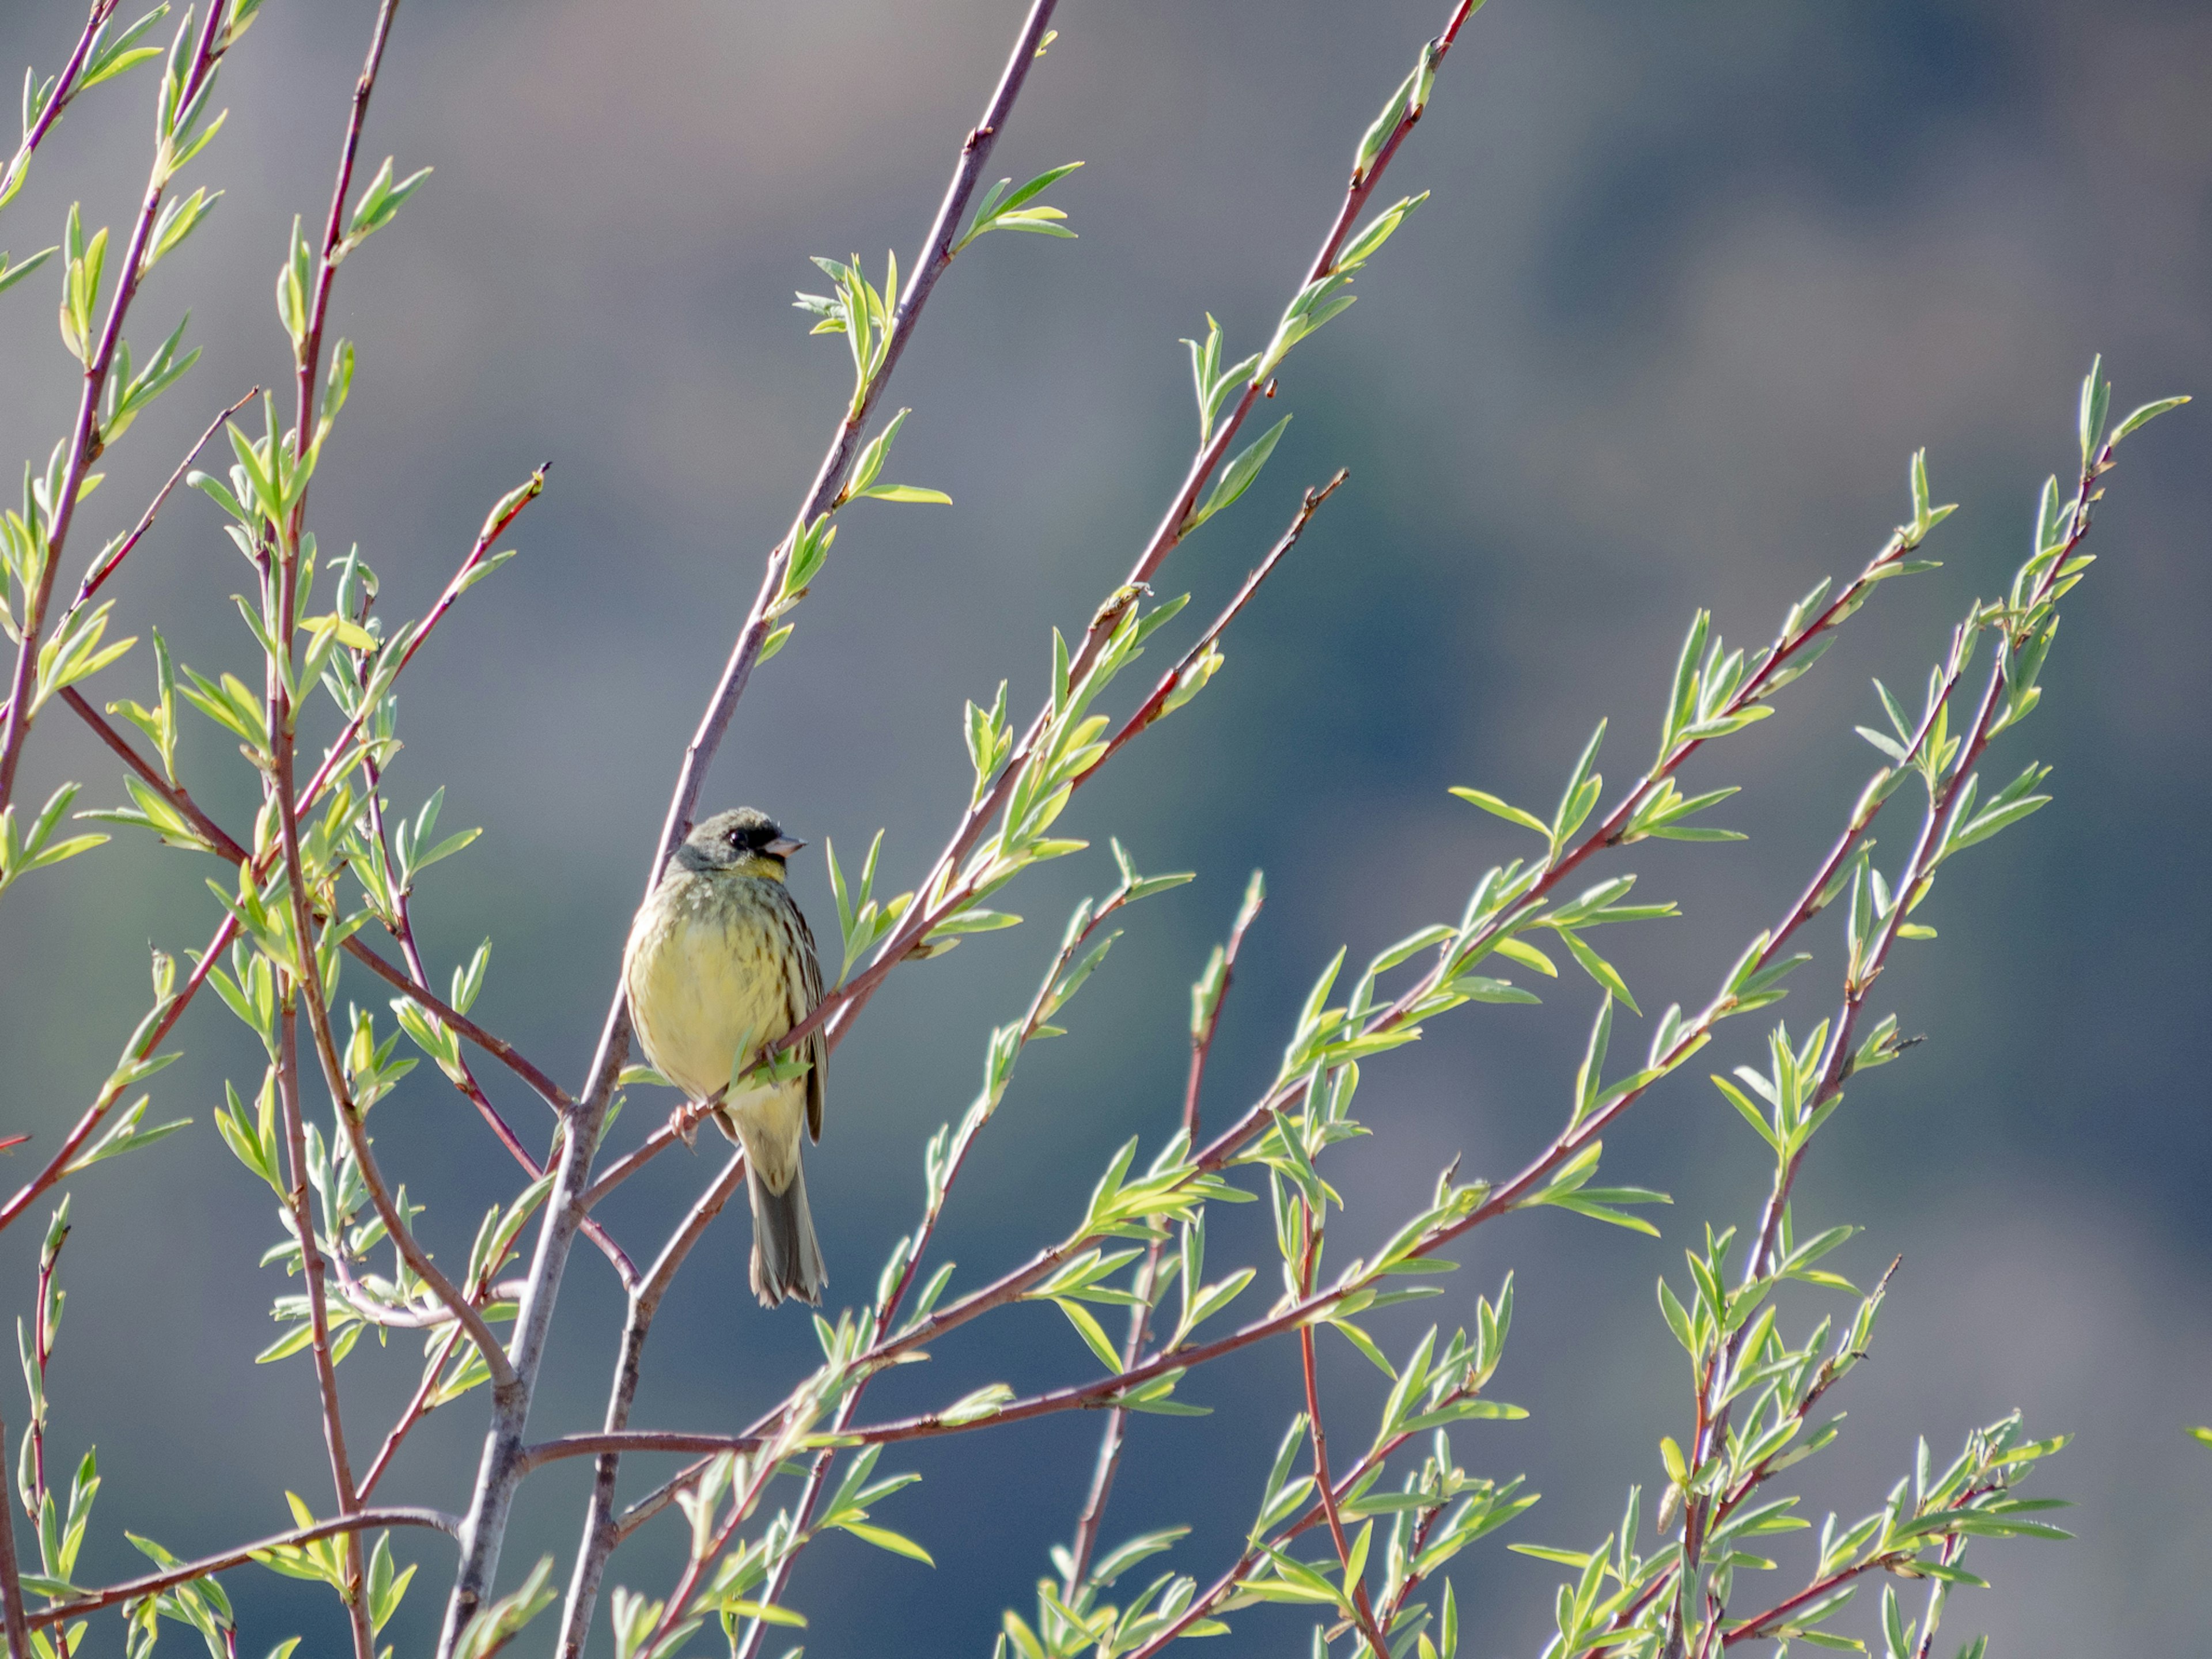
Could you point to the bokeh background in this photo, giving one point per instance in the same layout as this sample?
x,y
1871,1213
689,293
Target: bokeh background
x,y
1693,282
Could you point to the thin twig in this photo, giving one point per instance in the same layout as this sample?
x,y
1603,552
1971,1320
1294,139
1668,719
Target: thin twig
x,y
154,1582
403,929
1115,1435
1363,1609
318,1320
11,1579
418,1408
415,988
110,559
1944,801
83,441
109,562
600,1534
484,1530
65,90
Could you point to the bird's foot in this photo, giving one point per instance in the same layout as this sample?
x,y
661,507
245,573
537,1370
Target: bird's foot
x,y
684,1123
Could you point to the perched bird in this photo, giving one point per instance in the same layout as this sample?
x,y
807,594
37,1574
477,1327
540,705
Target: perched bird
x,y
719,965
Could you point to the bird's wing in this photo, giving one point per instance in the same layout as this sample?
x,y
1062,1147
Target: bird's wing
x,y
809,997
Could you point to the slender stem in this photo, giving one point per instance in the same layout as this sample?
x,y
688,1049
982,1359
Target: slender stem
x,y
1115,1435
1944,798
110,559
922,917
418,1408
403,929
103,1103
1201,1038
153,1583
310,1262
418,1260
501,1470
600,1532
1363,1609
83,441
65,89
11,1581
109,562
151,1038
415,988
308,358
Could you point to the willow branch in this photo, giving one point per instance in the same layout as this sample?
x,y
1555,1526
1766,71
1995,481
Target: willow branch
x,y
1115,1435
109,562
11,1578
484,1529
83,441
414,988
65,90
915,925
464,1079
834,1010
111,558
318,1318
155,1582
1363,1609
601,1534
418,1408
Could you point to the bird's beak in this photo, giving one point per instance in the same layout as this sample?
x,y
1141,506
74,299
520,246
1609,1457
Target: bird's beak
x,y
782,846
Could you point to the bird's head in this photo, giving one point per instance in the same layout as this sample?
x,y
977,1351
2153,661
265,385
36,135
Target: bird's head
x,y
746,842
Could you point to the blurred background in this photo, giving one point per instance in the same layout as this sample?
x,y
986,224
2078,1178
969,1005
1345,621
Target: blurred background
x,y
1693,282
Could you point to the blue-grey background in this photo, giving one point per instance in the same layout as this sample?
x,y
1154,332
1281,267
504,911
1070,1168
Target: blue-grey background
x,y
1694,280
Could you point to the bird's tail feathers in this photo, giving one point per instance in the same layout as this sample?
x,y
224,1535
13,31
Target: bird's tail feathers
x,y
787,1258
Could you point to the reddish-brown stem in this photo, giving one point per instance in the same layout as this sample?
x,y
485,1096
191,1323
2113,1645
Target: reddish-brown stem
x,y
418,1408
1115,1435
1943,801
108,563
308,358
83,439
360,1521
505,513
1112,1438
310,1262
418,1260
12,1611
817,1476
1363,1609
112,560
85,1126
601,1533
403,929
225,846
64,90
1201,1038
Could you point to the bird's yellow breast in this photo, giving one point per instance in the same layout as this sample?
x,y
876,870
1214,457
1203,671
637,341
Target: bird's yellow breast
x,y
705,977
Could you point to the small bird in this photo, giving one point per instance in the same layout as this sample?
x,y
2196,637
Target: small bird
x,y
719,965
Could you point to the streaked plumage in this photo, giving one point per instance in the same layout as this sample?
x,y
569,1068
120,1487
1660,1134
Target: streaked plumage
x,y
720,960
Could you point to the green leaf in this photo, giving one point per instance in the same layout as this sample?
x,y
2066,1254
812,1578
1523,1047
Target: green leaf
x,y
904,493
1491,805
1237,477
1598,968
1086,1326
884,1539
